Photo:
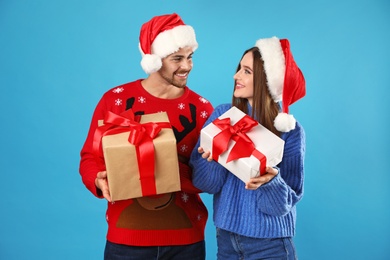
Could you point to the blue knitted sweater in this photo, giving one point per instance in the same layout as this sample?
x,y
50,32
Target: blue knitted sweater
x,y
269,211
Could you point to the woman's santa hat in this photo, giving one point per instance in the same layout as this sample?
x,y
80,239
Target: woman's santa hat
x,y
284,79
162,36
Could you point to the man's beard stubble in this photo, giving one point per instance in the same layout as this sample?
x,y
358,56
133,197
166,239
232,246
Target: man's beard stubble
x,y
171,80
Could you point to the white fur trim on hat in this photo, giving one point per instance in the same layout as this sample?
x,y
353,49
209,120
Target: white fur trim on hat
x,y
151,63
284,122
166,43
171,41
274,65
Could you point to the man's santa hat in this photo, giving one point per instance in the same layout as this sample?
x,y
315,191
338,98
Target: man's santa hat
x,y
162,36
284,79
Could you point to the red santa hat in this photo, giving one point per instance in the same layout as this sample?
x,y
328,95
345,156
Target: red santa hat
x,y
162,36
285,80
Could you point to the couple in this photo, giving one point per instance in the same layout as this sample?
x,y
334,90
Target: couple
x,y
255,220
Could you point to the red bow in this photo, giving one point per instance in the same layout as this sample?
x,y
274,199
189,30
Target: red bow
x,y
243,147
141,136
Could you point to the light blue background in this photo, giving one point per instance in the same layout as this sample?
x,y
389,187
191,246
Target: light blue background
x,y
58,57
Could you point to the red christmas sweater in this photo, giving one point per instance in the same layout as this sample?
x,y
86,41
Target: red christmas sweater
x,y
171,219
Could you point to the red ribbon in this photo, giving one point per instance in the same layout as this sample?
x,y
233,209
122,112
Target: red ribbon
x,y
141,136
243,147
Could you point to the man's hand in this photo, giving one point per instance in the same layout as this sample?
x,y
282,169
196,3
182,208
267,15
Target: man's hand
x,y
102,184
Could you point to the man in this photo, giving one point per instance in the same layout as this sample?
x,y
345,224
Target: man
x,y
169,226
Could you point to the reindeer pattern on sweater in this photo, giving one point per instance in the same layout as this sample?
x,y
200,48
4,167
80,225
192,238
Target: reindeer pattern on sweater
x,y
175,218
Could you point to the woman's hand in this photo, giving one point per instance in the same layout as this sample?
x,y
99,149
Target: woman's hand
x,y
256,182
205,155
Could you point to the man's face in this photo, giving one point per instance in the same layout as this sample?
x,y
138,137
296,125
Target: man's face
x,y
176,67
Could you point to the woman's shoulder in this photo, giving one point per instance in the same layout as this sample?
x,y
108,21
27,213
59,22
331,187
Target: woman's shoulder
x,y
219,110
297,131
299,128
295,140
222,108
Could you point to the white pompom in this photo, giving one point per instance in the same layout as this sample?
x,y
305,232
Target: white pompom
x,y
151,63
284,122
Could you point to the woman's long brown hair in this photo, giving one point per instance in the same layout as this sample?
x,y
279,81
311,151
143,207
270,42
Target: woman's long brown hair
x,y
264,108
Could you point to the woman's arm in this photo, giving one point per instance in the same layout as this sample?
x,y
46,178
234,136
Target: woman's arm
x,y
285,190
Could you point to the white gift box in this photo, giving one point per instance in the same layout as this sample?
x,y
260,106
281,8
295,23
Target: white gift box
x,y
245,168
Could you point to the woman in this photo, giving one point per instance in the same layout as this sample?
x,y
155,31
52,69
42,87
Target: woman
x,y
256,220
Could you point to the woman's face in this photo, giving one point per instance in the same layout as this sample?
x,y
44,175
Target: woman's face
x,y
244,79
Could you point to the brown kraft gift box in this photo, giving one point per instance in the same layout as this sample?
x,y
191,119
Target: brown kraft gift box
x,y
122,162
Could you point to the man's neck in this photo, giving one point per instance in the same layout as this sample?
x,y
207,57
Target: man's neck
x,y
159,88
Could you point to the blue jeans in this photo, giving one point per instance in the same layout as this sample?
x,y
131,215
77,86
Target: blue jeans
x,y
195,251
233,246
